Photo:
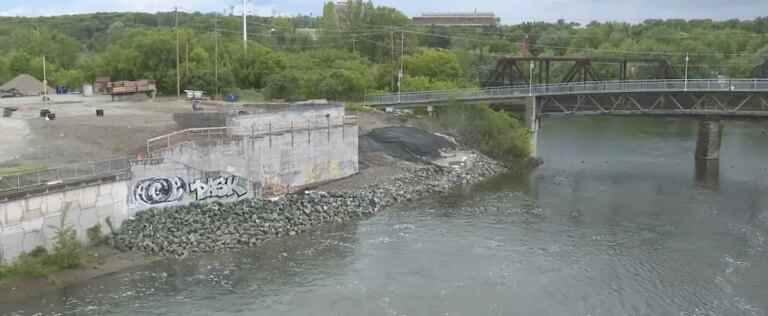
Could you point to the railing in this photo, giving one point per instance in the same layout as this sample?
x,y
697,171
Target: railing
x,y
62,175
187,135
676,85
233,133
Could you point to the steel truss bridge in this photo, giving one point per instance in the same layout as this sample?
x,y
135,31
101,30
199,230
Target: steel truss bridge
x,y
707,97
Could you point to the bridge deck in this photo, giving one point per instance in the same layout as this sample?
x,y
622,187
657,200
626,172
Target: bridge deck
x,y
570,89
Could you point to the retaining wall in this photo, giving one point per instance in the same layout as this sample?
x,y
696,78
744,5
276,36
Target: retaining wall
x,y
225,169
279,162
162,182
33,221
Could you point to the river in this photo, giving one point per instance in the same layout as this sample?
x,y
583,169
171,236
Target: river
x,y
616,222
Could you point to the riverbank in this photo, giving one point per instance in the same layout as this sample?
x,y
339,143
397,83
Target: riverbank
x,y
216,227
96,261
398,164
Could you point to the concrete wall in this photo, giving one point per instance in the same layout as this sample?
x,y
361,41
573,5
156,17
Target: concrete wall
x,y
278,162
284,116
162,182
200,119
321,148
33,221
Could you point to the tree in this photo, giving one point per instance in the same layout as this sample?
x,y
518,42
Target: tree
x,y
435,64
250,68
284,85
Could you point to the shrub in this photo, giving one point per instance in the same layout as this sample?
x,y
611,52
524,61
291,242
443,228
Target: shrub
x,y
94,234
66,251
496,134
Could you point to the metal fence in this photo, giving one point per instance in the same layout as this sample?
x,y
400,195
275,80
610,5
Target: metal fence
x,y
62,175
674,85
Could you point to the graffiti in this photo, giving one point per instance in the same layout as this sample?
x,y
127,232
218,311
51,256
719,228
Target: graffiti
x,y
154,191
161,190
218,187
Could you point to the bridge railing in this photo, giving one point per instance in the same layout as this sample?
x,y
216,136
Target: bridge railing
x,y
675,85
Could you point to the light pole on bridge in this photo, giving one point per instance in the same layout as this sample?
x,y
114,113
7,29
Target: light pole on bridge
x,y
530,81
685,85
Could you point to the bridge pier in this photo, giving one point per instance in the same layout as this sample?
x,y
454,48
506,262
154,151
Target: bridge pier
x,y
532,120
708,153
708,140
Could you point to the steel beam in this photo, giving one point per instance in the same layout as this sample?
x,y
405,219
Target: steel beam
x,y
741,104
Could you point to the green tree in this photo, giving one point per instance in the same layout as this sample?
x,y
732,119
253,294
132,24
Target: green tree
x,y
435,64
252,67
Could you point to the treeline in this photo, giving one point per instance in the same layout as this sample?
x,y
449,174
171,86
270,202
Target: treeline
x,y
350,50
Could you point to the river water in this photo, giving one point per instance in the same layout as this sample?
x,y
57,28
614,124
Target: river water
x,y
615,222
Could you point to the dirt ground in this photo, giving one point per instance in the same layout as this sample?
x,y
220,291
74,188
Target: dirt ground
x,y
77,134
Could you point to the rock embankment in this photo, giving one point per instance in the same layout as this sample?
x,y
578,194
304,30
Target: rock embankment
x,y
212,227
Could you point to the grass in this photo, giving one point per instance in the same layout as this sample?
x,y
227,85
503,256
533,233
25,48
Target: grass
x,y
21,169
66,254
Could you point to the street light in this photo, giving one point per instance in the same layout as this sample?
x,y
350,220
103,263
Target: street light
x,y
685,88
530,81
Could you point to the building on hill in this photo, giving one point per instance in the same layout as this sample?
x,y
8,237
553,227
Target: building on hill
x,y
449,19
26,85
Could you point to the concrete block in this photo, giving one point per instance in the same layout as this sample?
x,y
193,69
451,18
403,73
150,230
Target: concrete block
x,y
33,239
14,211
13,243
54,203
30,225
50,227
72,195
89,195
36,203
88,219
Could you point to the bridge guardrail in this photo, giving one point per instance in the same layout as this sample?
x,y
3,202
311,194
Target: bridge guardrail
x,y
676,85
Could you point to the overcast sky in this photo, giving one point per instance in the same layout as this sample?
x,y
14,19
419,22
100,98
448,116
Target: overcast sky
x,y
510,11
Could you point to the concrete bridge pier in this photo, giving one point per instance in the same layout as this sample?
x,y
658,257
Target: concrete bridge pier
x,y
708,140
532,120
708,153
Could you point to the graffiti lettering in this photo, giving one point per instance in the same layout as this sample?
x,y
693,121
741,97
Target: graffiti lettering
x,y
218,187
154,191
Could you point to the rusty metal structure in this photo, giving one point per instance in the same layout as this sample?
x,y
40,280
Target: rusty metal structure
x,y
511,71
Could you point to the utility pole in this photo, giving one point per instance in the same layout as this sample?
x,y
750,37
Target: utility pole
x,y
186,55
45,83
245,27
392,35
400,73
686,72
216,53
178,74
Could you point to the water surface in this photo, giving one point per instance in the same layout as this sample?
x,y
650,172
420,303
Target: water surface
x,y
616,222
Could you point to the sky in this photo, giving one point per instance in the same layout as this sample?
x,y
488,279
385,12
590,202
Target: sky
x,y
510,11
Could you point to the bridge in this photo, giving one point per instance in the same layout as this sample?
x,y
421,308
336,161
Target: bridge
x,y
708,99
723,97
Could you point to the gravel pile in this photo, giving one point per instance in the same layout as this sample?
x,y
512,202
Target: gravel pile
x,y
214,227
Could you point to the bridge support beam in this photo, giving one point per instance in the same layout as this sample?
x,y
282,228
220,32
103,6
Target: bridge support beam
x,y
708,140
532,121
708,153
